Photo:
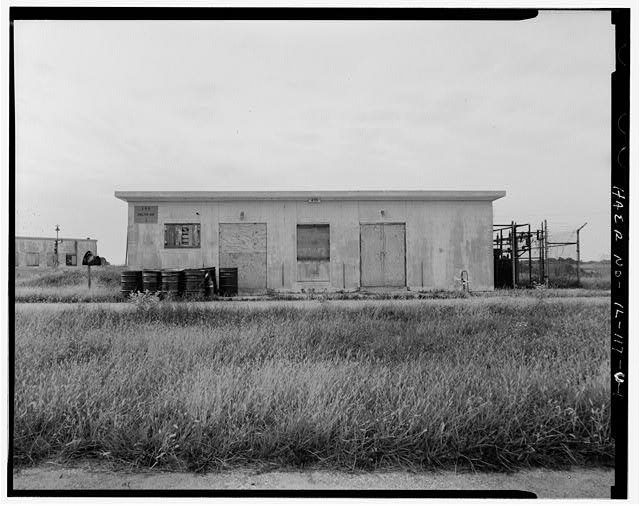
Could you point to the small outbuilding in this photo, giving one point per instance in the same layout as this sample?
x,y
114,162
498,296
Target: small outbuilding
x,y
325,240
51,252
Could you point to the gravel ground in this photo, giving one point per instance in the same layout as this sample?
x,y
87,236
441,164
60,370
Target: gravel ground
x,y
575,483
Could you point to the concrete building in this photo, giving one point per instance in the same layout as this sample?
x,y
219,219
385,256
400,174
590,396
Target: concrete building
x,y
41,251
326,240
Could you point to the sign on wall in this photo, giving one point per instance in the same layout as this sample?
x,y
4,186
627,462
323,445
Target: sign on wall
x,y
145,214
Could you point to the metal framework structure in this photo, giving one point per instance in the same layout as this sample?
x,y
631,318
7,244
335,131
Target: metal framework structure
x,y
513,241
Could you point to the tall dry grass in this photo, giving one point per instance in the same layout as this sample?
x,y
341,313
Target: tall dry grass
x,y
491,386
37,277
67,284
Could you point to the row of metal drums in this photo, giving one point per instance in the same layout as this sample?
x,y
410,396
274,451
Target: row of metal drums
x,y
192,283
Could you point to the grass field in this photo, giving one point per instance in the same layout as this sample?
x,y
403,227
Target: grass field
x,y
67,284
562,273
489,386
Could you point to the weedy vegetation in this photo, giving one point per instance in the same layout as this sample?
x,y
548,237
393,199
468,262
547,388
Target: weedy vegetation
x,y
67,284
545,293
492,385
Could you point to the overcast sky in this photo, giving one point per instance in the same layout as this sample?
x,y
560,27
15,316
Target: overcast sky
x,y
207,105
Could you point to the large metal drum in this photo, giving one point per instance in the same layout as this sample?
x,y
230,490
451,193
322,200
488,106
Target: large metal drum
x,y
194,282
171,282
228,281
130,282
151,280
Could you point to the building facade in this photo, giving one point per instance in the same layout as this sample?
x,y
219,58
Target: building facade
x,y
328,240
41,251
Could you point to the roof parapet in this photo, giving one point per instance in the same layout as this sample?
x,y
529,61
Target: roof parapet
x,y
226,196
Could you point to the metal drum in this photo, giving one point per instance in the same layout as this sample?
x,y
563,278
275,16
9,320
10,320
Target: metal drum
x,y
194,282
151,281
228,281
211,284
130,282
171,284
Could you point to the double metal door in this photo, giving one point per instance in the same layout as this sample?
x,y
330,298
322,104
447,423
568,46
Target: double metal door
x,y
382,255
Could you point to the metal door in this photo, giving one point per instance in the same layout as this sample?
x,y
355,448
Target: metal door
x,y
244,245
382,255
393,258
371,255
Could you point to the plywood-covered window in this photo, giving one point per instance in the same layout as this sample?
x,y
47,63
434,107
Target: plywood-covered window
x,y
313,242
72,260
313,252
182,235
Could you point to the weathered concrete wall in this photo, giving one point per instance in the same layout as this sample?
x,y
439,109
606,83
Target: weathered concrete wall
x,y
443,238
45,247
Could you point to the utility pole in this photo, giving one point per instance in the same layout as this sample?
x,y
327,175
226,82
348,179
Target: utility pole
x,y
514,254
55,249
529,245
540,253
578,251
546,253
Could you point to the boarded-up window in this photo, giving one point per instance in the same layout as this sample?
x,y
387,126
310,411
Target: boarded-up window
x,y
313,252
72,260
33,259
313,242
182,235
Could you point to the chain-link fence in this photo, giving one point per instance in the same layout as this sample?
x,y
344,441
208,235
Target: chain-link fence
x,y
544,257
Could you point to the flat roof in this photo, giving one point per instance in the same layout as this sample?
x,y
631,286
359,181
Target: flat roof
x,y
53,238
222,196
